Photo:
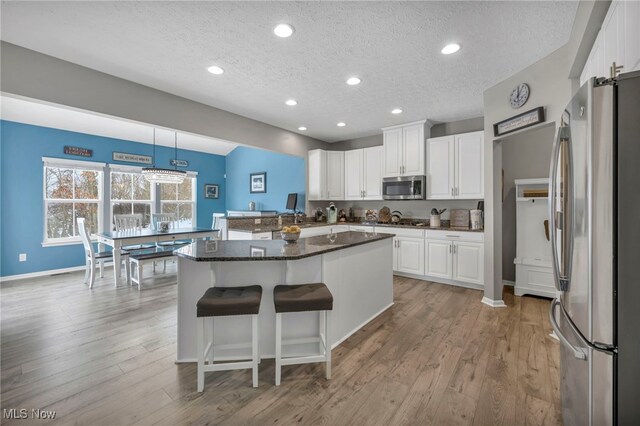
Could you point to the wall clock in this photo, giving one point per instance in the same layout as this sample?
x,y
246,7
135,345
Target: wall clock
x,y
519,96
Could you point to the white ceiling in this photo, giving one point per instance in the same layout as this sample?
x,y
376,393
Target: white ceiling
x,y
58,117
394,47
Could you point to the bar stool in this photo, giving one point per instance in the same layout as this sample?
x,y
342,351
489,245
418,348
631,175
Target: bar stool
x,y
227,301
303,298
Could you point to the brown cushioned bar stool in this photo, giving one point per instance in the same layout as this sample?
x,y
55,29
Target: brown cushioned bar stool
x,y
227,301
303,298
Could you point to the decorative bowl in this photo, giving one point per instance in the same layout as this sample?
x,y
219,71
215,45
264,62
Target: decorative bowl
x,y
290,237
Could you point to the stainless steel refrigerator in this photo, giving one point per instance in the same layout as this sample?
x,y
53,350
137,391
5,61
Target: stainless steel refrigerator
x,y
595,214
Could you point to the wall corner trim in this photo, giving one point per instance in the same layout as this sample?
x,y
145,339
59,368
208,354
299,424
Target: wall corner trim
x,y
493,303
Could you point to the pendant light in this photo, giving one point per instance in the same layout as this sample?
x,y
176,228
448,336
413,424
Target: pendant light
x,y
160,175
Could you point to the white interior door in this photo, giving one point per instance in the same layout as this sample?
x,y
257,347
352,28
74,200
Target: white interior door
x,y
411,255
392,143
469,166
440,170
372,179
413,150
468,262
353,174
438,258
335,175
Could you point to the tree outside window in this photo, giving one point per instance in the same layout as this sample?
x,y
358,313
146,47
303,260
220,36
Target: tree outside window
x,y
130,193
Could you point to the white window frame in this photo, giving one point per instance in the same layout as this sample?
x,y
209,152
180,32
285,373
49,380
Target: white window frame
x,y
62,163
114,168
193,202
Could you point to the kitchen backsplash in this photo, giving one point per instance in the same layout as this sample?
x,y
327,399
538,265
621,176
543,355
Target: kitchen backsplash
x,y
414,209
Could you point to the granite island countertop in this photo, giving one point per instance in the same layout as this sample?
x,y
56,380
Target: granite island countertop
x,y
243,250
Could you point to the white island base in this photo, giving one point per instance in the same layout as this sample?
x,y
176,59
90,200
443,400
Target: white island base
x,y
359,277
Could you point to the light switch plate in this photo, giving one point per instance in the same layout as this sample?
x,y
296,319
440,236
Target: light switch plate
x,y
258,221
22,257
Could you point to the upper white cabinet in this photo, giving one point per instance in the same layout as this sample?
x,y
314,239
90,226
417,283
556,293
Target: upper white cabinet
x,y
326,175
618,41
404,151
455,167
363,173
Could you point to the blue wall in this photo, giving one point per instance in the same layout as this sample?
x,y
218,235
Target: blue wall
x,y
285,174
21,209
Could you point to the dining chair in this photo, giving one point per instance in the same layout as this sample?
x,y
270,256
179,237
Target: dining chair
x,y
216,223
172,218
97,258
130,223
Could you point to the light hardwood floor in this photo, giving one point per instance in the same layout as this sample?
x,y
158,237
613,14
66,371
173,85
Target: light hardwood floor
x,y
438,356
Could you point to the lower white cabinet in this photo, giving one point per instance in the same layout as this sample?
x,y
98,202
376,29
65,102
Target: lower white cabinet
x,y
438,258
410,255
240,235
468,262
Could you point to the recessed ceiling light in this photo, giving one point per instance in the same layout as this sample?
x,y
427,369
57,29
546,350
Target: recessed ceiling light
x,y
302,128
396,111
291,102
353,81
214,69
283,30
341,124
450,48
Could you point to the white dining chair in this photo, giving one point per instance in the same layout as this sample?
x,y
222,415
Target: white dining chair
x,y
172,218
216,223
130,223
95,258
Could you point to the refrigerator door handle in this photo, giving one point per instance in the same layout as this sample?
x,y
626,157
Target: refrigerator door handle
x,y
561,268
580,353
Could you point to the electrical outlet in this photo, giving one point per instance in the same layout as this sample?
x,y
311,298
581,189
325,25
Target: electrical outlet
x,y
22,257
258,221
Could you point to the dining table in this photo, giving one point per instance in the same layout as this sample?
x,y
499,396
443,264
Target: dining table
x,y
125,238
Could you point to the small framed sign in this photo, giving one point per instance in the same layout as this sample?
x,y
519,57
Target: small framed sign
x,y
520,121
179,163
76,150
132,158
258,251
211,191
258,182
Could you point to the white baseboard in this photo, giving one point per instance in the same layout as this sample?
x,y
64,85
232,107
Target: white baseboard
x,y
47,273
493,303
509,283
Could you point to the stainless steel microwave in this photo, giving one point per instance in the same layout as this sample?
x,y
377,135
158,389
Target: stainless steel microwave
x,y
404,188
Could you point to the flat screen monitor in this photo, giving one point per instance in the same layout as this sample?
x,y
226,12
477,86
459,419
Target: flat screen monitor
x,y
292,201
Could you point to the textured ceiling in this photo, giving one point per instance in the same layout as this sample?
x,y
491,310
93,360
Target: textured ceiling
x,y
393,46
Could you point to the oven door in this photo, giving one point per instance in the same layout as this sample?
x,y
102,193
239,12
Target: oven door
x,y
404,188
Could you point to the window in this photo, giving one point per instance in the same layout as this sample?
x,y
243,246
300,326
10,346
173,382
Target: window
x,y
72,189
131,193
179,199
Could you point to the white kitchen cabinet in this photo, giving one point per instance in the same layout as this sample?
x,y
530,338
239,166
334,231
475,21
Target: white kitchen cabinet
x,y
241,235
353,174
618,41
455,167
326,175
314,231
392,143
373,161
468,262
469,166
439,258
440,168
363,173
404,150
410,252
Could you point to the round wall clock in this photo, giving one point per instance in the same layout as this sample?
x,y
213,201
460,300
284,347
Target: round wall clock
x,y
519,95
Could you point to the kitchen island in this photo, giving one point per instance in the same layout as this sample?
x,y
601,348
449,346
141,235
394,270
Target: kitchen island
x,y
356,267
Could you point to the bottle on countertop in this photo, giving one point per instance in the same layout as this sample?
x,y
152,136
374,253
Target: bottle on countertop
x,y
280,221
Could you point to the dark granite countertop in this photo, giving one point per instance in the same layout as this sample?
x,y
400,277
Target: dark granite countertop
x,y
242,250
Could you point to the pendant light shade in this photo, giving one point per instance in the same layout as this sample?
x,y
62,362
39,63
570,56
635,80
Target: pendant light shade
x,y
161,175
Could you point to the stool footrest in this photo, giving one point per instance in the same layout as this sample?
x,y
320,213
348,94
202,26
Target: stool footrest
x,y
301,341
228,366
309,359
